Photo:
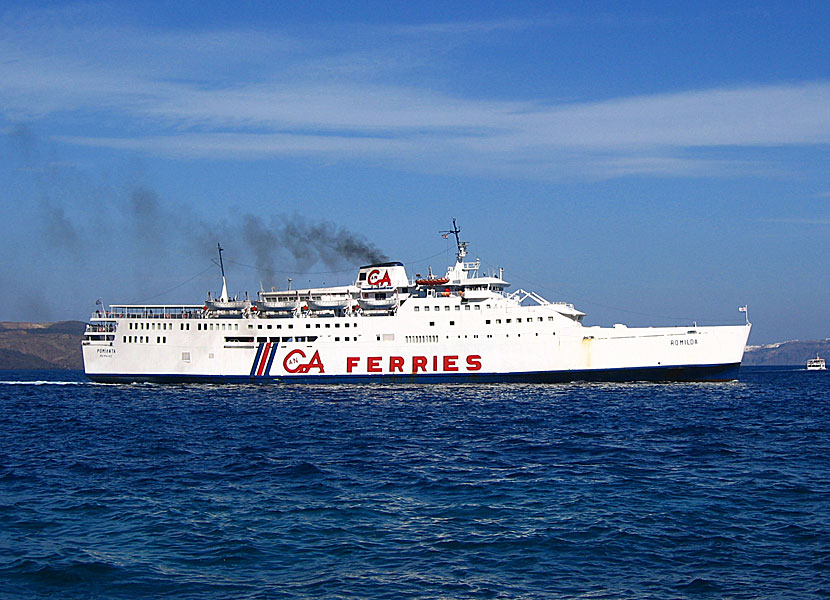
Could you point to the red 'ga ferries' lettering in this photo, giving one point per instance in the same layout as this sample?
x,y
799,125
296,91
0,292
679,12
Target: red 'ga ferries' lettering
x,y
374,278
418,364
293,362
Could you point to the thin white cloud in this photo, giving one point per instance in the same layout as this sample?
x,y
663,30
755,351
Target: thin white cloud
x,y
218,95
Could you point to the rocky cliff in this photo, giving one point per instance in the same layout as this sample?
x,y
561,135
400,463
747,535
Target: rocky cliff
x,y
795,352
41,345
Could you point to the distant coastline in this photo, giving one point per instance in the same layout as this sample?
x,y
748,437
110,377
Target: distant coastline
x,y
41,345
794,352
58,346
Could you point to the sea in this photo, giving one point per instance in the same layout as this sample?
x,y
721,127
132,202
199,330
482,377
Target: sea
x,y
638,490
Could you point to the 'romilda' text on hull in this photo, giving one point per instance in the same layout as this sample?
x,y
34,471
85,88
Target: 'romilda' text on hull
x,y
462,326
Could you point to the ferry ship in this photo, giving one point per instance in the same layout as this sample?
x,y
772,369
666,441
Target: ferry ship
x,y
462,326
816,364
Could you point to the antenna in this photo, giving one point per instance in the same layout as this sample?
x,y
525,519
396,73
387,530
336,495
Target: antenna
x,y
221,263
462,246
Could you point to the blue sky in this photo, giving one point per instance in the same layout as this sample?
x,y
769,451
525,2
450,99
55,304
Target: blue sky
x,y
653,163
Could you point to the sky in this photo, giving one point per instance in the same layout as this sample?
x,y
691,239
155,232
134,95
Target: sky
x,y
652,163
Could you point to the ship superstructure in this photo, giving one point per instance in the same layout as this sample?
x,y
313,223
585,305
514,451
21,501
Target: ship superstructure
x,y
460,326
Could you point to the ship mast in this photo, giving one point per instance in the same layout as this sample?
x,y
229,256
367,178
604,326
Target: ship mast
x,y
224,296
462,246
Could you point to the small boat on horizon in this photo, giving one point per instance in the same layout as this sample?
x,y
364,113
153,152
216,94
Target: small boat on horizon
x,y
816,364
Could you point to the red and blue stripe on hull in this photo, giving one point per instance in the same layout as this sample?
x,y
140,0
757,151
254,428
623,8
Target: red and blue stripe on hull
x,y
264,359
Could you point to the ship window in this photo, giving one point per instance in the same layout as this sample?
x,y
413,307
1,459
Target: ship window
x,y
346,339
432,323
417,308
479,308
517,321
186,356
336,339
437,308
308,326
539,319
299,339
311,338
259,326
498,321
317,325
345,324
426,308
550,318
509,320
261,339
250,326
270,326
457,307
337,325
328,325
236,327
452,322
286,339
291,327
487,322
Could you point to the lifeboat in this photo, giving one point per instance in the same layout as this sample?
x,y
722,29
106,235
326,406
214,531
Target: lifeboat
x,y
433,281
329,302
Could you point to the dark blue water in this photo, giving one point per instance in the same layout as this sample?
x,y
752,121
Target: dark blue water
x,y
502,491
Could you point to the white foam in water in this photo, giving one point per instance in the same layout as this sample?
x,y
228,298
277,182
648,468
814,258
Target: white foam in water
x,y
41,382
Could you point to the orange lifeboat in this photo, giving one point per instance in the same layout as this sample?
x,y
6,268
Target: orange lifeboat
x,y
433,281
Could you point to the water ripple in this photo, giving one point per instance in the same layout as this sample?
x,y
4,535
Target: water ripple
x,y
376,491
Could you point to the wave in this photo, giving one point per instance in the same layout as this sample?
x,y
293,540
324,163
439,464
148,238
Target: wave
x,y
44,382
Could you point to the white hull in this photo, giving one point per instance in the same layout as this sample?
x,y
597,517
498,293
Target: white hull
x,y
468,349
